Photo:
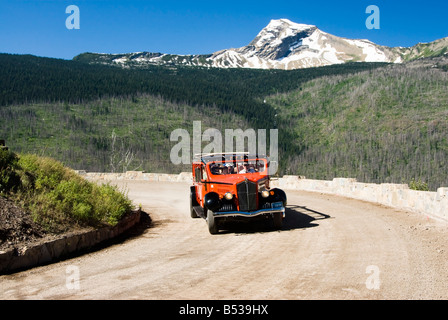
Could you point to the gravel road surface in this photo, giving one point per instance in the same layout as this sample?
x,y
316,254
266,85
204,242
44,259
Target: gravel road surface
x,y
329,248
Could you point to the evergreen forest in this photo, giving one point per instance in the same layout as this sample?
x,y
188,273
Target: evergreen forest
x,y
372,121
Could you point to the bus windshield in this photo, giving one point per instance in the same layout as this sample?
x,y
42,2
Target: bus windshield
x,y
237,167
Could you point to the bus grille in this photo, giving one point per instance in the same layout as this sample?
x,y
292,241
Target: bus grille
x,y
247,195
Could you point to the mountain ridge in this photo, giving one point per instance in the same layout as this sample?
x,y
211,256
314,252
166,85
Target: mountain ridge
x,y
282,44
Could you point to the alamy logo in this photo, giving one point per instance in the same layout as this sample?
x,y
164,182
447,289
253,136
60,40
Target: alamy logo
x,y
234,141
72,277
373,280
73,20
373,21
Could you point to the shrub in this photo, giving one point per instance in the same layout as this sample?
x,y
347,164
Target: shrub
x,y
110,205
418,185
48,173
9,179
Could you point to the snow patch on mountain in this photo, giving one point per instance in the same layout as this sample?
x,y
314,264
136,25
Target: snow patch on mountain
x,y
283,44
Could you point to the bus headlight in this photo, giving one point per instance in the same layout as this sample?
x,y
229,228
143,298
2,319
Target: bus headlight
x,y
228,196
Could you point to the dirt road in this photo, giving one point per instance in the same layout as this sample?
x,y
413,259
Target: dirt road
x,y
329,248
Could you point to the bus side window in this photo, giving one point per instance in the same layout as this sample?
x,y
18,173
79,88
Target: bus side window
x,y
203,173
197,174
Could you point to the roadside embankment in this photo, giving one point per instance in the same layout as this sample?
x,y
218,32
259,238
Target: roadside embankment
x,y
15,259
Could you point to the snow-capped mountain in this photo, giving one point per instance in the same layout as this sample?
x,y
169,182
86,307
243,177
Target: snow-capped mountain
x,y
282,44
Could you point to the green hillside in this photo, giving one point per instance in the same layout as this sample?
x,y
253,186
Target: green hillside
x,y
375,122
424,50
109,134
69,109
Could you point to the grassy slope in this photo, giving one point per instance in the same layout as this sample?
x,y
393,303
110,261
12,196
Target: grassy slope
x,y
55,196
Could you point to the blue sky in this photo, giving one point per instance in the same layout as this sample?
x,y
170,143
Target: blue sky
x,y
197,27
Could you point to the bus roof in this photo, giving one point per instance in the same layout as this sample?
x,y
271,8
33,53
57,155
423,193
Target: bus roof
x,y
226,156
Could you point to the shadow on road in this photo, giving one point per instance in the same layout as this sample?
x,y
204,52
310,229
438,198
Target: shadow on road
x,y
137,230
299,217
296,217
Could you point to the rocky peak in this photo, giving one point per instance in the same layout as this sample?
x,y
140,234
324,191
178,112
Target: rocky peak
x,y
276,40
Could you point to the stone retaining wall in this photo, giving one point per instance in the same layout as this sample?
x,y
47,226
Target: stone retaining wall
x,y
21,258
137,175
434,204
